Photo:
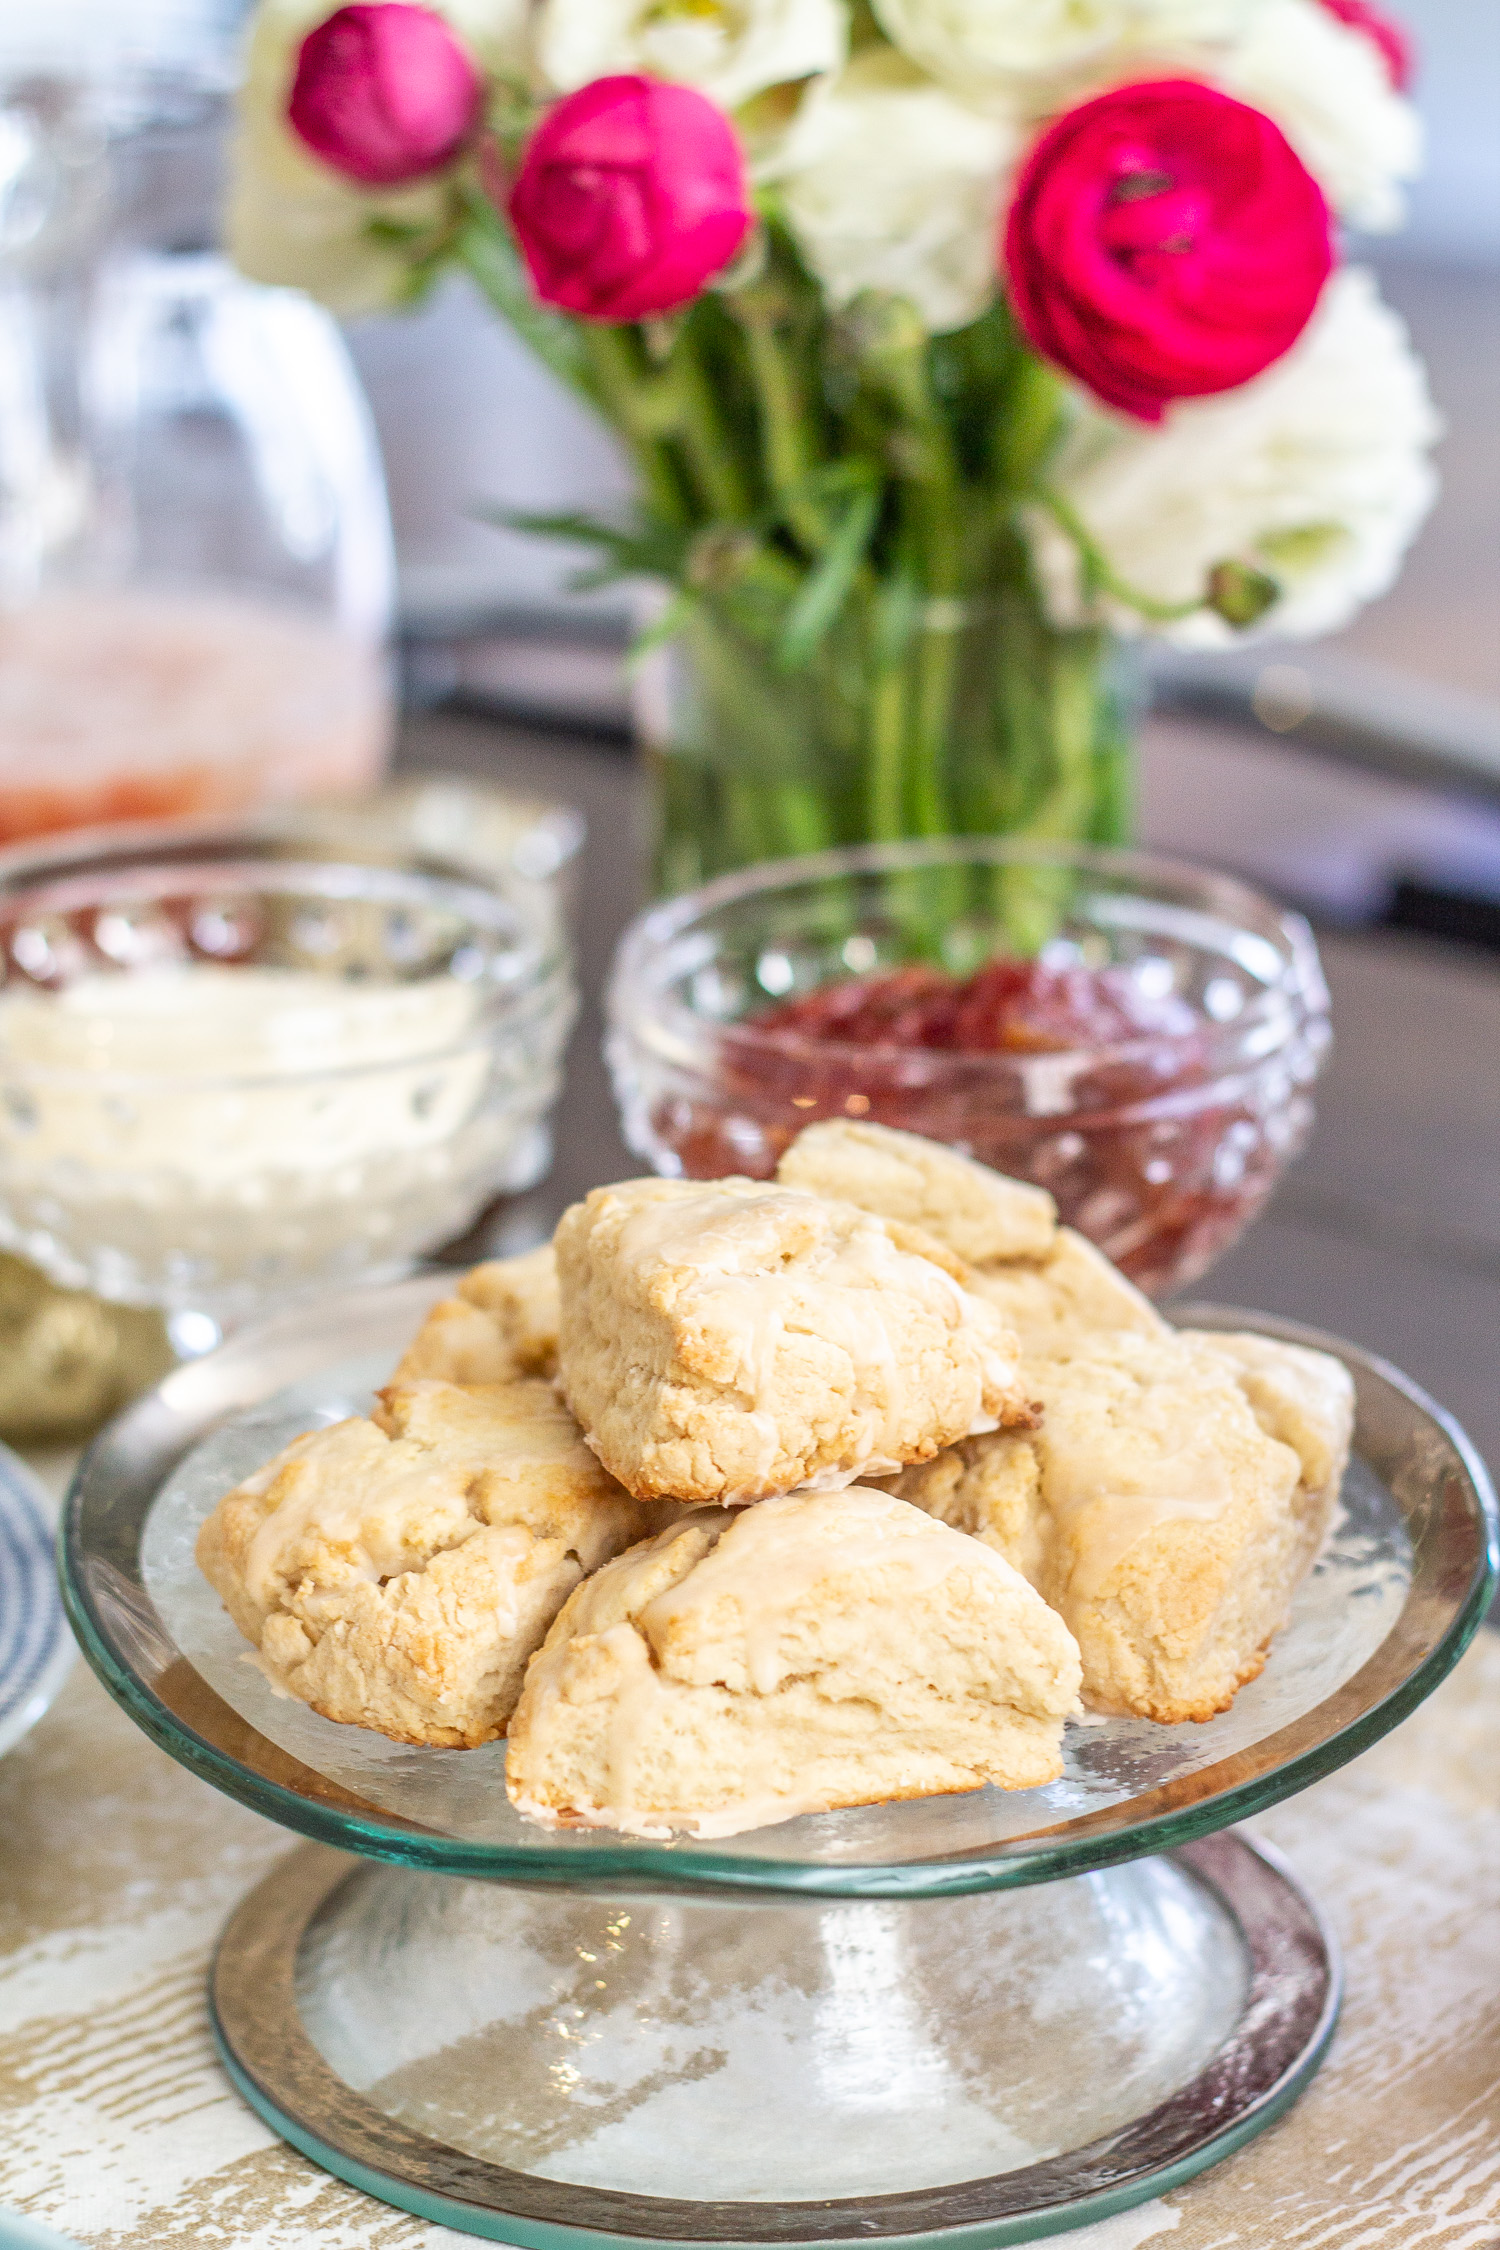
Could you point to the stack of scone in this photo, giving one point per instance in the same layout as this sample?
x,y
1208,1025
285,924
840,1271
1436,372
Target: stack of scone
x,y
746,1500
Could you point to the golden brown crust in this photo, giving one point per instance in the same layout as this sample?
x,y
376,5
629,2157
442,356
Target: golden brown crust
x,y
500,1323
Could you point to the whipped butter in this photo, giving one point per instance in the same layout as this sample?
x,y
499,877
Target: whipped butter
x,y
183,1131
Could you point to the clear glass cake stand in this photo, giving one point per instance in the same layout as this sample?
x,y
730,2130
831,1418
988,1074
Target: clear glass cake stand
x,y
969,2020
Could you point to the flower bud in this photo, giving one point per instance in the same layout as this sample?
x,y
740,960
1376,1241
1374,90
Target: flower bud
x,y
1165,241
631,195
384,93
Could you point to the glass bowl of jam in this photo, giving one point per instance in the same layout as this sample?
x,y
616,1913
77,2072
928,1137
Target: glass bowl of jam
x,y
1137,1036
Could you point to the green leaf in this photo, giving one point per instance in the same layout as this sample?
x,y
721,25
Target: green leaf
x,y
647,548
398,234
828,585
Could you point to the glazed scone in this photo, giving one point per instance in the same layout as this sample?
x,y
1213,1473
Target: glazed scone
x,y
1154,1509
728,1340
978,1213
398,1575
991,1488
500,1322
1303,1397
1047,1281
1071,1290
816,1651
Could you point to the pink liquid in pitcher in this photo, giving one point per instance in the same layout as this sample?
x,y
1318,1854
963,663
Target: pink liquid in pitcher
x,y
145,706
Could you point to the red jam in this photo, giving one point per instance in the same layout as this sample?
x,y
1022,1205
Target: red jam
x,y
1007,1007
1144,1152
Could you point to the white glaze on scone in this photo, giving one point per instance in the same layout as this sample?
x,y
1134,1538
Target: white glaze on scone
x,y
1067,1293
1171,1501
500,1322
729,1341
975,1211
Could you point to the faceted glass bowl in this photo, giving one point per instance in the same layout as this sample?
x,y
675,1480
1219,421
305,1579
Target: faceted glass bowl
x,y
1160,1149
393,1098
1403,1583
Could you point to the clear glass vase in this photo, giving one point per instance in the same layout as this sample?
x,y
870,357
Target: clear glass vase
x,y
968,717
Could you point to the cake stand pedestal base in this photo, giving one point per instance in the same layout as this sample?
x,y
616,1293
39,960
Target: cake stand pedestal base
x,y
557,2066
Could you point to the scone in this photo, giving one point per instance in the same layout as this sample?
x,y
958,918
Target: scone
x,y
397,1575
816,1651
978,1213
1052,1300
1173,1497
727,1341
1047,1281
1303,1397
500,1322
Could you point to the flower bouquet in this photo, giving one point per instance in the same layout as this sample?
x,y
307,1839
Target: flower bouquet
x,y
953,342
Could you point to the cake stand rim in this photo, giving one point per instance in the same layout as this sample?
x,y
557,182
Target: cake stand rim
x,y
310,1804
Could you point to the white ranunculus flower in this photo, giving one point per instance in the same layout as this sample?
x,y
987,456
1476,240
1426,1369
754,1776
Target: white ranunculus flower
x,y
1317,474
729,49
1327,87
290,218
888,183
1022,48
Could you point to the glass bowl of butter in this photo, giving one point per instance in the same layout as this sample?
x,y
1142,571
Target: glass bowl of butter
x,y
235,1066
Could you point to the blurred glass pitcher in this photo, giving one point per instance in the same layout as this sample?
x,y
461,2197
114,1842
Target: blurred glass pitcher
x,y
196,572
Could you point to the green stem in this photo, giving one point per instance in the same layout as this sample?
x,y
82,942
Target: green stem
x,y
891,636
786,427
706,444
939,544
484,246
1098,576
897,359
628,396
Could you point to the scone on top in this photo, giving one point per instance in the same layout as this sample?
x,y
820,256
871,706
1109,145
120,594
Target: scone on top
x,y
976,1212
730,1340
397,1573
1168,1505
816,1651
500,1322
1047,1281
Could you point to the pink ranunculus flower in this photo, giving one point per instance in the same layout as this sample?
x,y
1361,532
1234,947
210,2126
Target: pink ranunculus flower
x,y
1392,38
1165,241
631,195
385,93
